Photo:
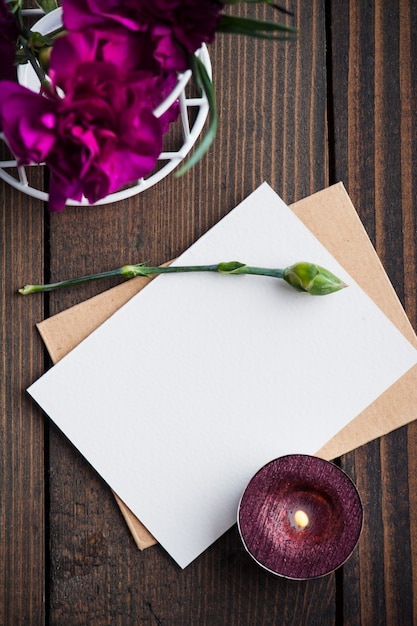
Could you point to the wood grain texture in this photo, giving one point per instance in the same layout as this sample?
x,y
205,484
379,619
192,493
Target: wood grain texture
x,y
340,104
272,105
22,563
374,52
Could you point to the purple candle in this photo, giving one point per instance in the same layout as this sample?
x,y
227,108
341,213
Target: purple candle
x,y
300,517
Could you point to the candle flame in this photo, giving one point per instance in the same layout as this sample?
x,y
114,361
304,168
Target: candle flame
x,y
301,519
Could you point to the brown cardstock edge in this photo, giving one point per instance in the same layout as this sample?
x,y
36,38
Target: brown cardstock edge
x,y
331,217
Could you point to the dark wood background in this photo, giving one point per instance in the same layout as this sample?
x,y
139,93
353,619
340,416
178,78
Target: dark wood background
x,y
338,105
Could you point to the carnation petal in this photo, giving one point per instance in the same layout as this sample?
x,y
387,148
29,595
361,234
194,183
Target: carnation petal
x,y
27,122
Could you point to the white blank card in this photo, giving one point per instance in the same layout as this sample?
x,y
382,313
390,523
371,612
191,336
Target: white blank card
x,y
200,379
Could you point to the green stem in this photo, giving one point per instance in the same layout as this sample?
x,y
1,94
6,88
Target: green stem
x,y
68,283
38,71
130,271
303,276
232,267
36,67
261,271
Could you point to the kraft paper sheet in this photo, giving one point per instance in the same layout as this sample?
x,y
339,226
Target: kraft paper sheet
x,y
331,217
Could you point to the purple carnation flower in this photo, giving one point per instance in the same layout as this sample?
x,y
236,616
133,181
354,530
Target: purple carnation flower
x,y
106,134
127,50
177,28
101,136
109,42
27,120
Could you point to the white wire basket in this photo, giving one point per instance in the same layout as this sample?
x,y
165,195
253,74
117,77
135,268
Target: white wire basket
x,y
178,142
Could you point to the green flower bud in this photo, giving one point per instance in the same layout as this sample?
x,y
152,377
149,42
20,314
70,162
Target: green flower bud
x,y
36,41
312,278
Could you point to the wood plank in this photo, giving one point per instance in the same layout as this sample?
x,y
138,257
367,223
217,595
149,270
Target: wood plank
x,y
374,48
272,104
22,591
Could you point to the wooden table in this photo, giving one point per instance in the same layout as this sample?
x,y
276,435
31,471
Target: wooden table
x,y
339,105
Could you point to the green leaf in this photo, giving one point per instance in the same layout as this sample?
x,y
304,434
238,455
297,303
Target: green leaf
x,y
205,83
262,29
47,5
14,5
